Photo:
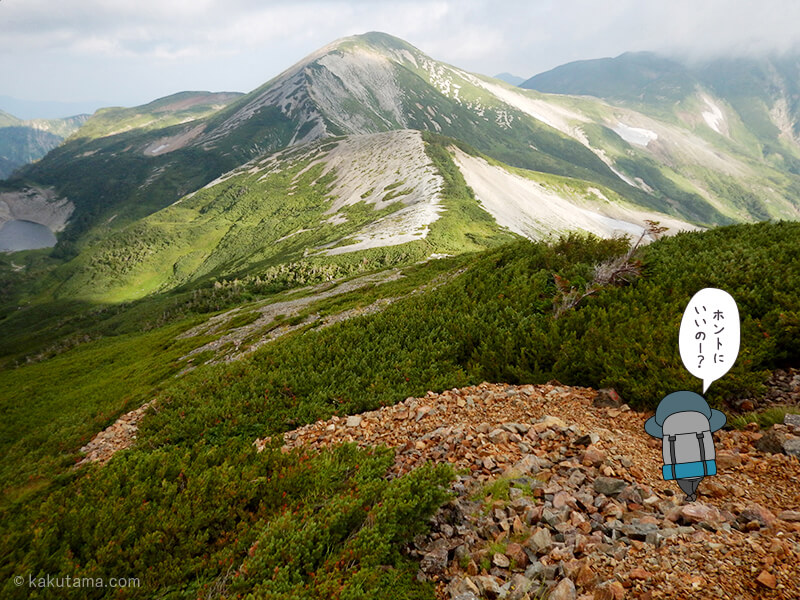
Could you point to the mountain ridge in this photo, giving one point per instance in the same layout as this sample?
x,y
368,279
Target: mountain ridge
x,y
696,164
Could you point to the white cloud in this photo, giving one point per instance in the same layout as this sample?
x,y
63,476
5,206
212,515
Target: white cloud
x,y
94,48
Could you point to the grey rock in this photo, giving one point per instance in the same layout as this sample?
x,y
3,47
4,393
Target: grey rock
x,y
435,561
516,428
630,494
565,590
792,447
536,571
638,531
609,485
550,517
791,420
498,436
576,478
654,538
541,540
353,421
530,463
772,442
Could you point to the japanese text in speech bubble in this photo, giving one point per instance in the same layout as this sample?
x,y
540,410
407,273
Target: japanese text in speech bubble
x,y
709,336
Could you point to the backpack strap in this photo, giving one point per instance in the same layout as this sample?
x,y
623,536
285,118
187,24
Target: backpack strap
x,y
701,442
672,453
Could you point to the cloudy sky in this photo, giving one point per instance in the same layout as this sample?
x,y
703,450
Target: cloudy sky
x,y
128,52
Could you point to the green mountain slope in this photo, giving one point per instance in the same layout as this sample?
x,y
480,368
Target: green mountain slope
x,y
193,492
400,195
636,78
761,93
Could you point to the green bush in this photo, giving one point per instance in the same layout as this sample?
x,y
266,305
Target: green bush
x,y
190,521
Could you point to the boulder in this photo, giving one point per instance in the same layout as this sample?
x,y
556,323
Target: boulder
x,y
756,512
792,447
772,441
609,485
541,540
792,421
565,590
353,421
607,397
697,512
435,561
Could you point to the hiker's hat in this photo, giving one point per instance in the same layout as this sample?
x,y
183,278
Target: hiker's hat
x,y
678,402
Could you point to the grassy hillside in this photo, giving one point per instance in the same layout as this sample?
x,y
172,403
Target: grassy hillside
x,y
193,507
277,211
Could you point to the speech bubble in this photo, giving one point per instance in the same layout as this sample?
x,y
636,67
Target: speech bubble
x,y
709,336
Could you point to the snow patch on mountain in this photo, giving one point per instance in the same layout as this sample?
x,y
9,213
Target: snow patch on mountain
x,y
714,117
635,135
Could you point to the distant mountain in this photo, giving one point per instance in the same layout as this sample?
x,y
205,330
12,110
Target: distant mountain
x,y
182,190
764,93
509,78
22,142
175,109
635,77
358,85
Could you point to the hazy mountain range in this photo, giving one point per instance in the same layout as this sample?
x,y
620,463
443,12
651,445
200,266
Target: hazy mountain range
x,y
25,141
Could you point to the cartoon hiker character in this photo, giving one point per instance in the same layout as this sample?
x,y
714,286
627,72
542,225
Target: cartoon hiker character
x,y
685,422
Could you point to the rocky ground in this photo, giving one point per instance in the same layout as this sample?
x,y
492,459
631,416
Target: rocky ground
x,y
783,388
559,491
119,435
